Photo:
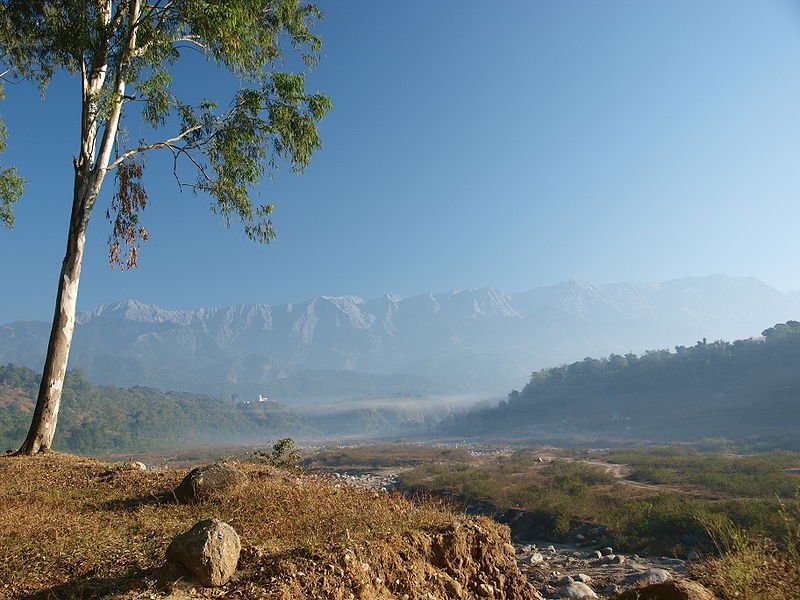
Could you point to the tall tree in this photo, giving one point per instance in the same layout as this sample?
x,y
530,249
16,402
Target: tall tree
x,y
124,52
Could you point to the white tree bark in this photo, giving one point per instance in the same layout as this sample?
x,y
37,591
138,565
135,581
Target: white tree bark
x,y
89,175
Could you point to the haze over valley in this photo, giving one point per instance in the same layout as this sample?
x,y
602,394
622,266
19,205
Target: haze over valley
x,y
343,366
474,343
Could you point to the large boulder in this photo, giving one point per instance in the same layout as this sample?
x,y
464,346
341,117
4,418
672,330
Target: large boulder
x,y
208,481
681,589
209,550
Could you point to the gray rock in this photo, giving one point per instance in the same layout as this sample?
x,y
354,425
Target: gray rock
x,y
650,576
617,559
565,580
208,481
576,590
536,559
606,551
209,550
596,554
583,578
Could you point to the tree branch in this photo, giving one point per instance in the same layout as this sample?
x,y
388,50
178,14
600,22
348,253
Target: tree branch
x,y
168,143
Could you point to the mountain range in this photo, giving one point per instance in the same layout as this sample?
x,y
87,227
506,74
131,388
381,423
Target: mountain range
x,y
474,342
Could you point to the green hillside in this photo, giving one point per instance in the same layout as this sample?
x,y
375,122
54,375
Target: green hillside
x,y
743,390
97,419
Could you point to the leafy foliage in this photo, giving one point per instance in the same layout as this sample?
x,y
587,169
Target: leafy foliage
x,y
129,48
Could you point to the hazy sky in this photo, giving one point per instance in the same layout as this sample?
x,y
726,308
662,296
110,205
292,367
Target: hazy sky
x,y
508,144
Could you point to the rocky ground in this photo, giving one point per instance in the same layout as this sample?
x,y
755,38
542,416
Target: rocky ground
x,y
559,570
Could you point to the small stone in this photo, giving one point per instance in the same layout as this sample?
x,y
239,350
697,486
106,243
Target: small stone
x,y
551,549
576,590
693,556
453,588
565,580
617,559
606,551
485,590
136,465
650,576
583,578
536,559
580,537
596,555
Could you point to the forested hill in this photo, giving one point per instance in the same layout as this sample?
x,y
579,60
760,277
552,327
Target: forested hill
x,y
744,390
96,419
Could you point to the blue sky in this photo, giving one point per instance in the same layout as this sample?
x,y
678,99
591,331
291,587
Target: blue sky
x,y
508,144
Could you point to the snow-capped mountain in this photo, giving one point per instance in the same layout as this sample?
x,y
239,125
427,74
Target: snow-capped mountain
x,y
476,340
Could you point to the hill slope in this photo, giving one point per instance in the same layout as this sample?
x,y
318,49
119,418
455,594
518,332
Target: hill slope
x,y
748,389
96,419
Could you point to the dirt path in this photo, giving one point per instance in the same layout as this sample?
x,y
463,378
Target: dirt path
x,y
620,472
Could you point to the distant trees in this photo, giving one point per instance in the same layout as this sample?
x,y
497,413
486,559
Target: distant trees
x,y
124,52
757,377
99,419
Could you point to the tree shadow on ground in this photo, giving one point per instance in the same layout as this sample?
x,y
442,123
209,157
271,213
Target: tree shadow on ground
x,y
90,585
126,504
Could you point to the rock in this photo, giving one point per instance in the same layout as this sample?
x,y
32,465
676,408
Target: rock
x,y
485,590
565,580
682,589
135,465
606,551
612,559
551,550
207,481
453,588
582,578
650,576
596,554
576,590
536,558
209,550
693,556
580,537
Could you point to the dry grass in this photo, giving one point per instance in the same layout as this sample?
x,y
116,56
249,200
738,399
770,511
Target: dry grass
x,y
72,527
747,567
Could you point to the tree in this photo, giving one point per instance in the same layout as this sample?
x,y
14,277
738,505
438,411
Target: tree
x,y
123,52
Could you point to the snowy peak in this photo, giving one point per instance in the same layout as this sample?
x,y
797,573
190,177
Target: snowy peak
x,y
479,339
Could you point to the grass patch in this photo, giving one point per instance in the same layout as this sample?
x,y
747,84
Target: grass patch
x,y
73,527
751,567
669,520
384,455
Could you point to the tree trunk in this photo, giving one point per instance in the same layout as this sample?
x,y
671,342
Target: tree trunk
x,y
45,416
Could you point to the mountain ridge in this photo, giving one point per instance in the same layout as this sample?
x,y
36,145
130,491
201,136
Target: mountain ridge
x,y
486,339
